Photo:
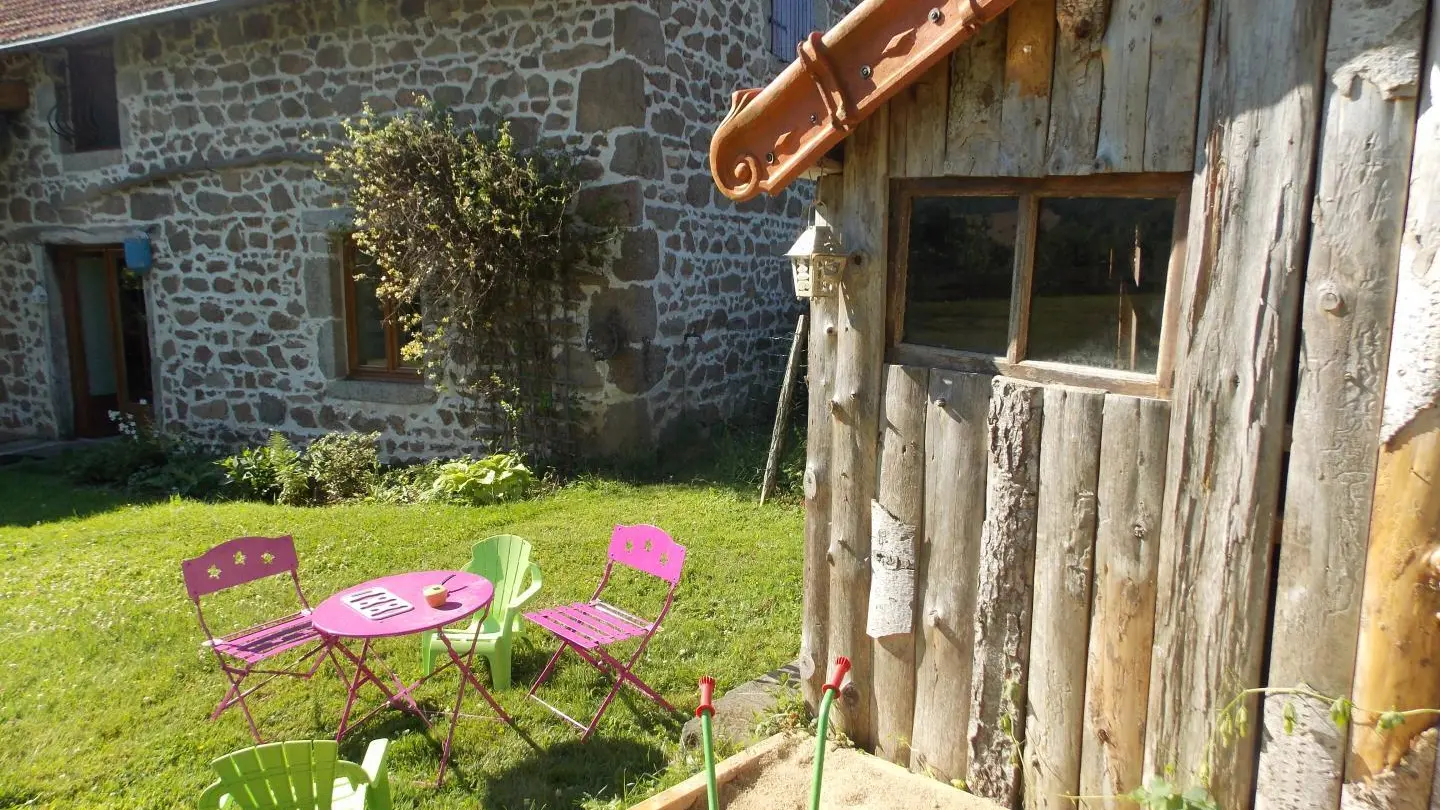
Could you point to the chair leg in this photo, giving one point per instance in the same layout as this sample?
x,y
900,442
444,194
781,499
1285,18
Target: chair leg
x,y
239,694
549,667
600,712
500,665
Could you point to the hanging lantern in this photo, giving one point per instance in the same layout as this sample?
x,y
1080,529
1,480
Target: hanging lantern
x,y
817,258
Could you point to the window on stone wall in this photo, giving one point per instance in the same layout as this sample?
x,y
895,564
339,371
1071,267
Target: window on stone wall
x,y
87,115
374,334
790,22
1055,279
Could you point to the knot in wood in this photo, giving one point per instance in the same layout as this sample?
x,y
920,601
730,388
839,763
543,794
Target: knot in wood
x,y
1330,300
1432,567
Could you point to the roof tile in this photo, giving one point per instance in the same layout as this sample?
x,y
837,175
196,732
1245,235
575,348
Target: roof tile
x,y
22,20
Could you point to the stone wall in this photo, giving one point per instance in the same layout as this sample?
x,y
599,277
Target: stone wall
x,y
244,298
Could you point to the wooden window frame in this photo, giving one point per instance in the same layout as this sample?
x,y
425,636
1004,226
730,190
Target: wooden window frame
x,y
1029,192
393,371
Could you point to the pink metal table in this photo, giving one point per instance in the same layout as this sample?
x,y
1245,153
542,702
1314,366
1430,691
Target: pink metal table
x,y
337,621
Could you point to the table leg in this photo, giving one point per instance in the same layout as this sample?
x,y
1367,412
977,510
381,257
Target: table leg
x,y
364,673
466,673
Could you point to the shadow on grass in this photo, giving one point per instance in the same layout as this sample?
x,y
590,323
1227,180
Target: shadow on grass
x,y
34,495
728,456
566,773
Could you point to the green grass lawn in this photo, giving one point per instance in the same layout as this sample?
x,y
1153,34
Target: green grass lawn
x,y
105,693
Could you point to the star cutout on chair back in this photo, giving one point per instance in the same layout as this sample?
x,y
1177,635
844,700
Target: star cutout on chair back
x,y
213,571
664,559
649,546
267,558
629,545
239,558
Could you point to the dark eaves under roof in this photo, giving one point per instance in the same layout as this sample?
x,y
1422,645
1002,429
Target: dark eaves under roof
x,y
33,23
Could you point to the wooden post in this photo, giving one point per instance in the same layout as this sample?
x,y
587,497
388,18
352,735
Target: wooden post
x,y
1127,550
1359,214
1002,593
1399,637
955,448
1261,97
1064,553
859,360
902,488
782,410
821,383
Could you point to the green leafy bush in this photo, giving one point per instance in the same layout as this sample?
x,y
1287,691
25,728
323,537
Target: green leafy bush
x,y
144,461
342,466
501,477
188,474
410,483
260,473
335,467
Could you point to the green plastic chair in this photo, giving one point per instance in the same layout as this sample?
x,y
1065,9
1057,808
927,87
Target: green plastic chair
x,y
504,560
299,775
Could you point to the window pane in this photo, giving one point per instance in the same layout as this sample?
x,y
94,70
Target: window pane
x,y
1098,292
369,326
960,270
94,106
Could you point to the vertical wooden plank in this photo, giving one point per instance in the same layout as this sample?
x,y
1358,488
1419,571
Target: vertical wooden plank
x,y
820,364
955,450
1029,222
903,105
902,494
918,116
1368,127
1262,93
1070,442
1002,593
1398,645
1121,140
1025,110
1176,43
860,327
977,79
1075,96
1127,550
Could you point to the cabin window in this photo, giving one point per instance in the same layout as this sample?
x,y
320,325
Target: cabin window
x,y
1060,279
376,333
88,115
790,22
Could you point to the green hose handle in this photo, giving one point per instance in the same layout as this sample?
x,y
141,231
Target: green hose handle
x,y
705,711
832,688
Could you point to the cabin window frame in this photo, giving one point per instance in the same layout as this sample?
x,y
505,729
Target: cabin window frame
x,y
394,369
1030,191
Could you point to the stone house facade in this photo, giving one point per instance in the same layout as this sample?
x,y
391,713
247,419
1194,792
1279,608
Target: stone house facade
x,y
242,323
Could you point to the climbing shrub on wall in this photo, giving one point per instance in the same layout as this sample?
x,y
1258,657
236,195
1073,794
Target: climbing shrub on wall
x,y
475,240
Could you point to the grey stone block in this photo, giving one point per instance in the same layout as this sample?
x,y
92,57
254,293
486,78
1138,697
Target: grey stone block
x,y
612,96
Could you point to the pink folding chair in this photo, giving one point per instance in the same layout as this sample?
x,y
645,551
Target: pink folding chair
x,y
589,627
237,562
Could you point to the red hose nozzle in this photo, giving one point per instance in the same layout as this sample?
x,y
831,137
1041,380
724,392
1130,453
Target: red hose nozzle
x,y
837,675
707,692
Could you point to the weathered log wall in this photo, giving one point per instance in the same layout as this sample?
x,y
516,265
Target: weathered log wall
x,y
1093,579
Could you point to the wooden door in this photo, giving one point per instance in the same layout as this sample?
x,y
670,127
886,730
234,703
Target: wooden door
x,y
107,333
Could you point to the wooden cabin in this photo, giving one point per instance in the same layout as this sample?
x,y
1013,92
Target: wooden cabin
x,y
1124,401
